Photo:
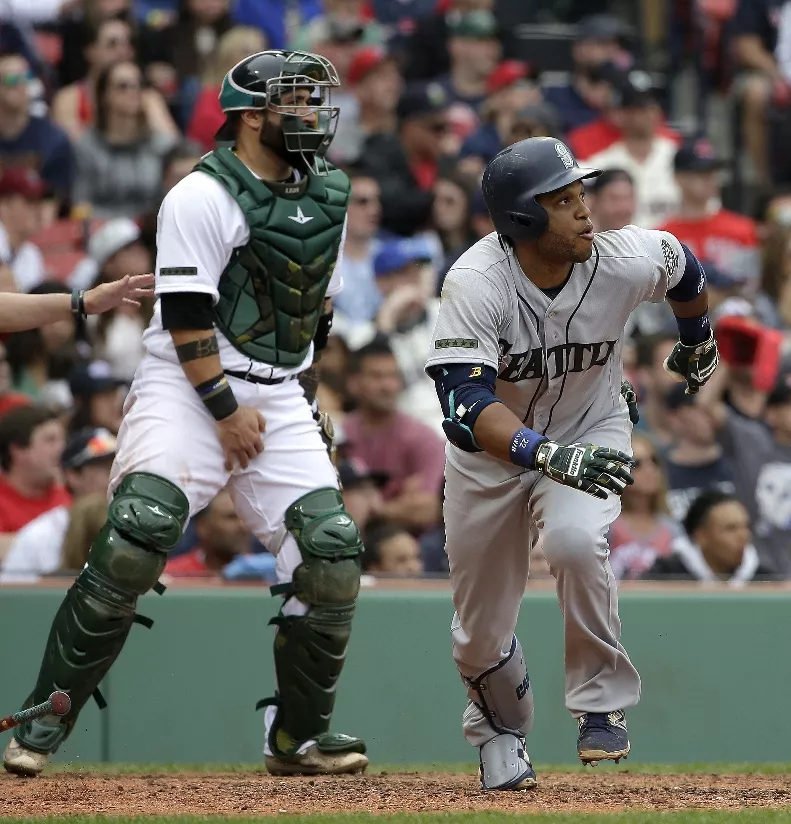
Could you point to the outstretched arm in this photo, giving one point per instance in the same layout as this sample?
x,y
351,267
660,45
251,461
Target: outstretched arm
x,y
19,311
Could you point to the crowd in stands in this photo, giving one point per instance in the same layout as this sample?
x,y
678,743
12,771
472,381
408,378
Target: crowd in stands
x,y
106,104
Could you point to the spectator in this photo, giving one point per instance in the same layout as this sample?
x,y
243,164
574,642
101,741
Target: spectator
x,y
611,199
221,537
717,546
8,398
644,149
40,547
480,219
587,95
760,451
643,531
360,299
119,161
773,303
31,446
362,495
452,218
391,551
406,165
427,54
29,141
176,55
695,462
21,191
280,26
754,43
98,396
343,21
408,315
393,443
205,116
535,120
474,53
508,91
377,85
725,238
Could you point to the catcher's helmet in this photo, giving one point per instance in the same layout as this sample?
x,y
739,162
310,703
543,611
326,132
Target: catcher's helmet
x,y
268,80
518,174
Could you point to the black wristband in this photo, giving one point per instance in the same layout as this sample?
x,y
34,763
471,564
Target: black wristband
x,y
218,397
78,303
322,332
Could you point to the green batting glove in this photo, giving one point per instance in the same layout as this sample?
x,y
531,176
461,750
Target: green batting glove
x,y
630,396
693,365
592,469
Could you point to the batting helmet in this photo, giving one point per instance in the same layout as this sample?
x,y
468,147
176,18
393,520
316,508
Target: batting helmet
x,y
518,174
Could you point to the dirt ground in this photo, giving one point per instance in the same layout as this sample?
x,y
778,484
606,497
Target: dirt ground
x,y
259,794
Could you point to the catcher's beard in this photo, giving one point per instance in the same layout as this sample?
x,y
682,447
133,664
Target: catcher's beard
x,y
272,138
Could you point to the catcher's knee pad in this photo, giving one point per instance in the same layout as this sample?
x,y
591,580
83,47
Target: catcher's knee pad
x,y
310,649
145,521
501,699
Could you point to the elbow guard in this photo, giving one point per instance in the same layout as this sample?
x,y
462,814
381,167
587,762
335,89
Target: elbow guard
x,y
692,282
464,391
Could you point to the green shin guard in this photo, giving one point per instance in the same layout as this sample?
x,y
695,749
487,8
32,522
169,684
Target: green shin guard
x,y
144,522
310,650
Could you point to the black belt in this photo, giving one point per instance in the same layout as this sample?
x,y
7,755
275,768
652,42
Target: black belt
x,y
245,376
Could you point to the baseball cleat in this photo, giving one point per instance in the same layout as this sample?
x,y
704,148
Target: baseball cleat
x,y
329,754
20,760
505,764
602,737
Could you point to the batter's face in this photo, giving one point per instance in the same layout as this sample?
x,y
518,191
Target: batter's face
x,y
569,234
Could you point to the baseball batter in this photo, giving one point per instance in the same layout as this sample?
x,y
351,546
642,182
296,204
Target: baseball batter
x,y
246,249
526,358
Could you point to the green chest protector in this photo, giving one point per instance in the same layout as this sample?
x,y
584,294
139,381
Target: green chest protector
x,y
272,290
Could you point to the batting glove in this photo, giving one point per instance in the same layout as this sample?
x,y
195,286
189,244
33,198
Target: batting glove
x,y
326,428
630,396
693,365
592,469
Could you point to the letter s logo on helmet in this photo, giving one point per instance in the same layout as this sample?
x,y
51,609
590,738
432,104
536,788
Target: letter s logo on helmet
x,y
515,177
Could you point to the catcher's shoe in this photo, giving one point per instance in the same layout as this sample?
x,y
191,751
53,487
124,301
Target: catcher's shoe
x,y
505,764
22,761
602,737
329,754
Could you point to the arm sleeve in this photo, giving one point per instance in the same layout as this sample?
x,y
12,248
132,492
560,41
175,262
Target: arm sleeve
x,y
471,314
666,262
198,227
336,281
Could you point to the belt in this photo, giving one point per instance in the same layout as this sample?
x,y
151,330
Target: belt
x,y
245,376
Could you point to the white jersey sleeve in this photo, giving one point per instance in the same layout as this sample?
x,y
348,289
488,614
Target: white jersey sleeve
x,y
336,281
471,315
198,227
666,259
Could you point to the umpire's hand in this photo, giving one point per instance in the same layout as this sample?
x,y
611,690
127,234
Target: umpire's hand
x,y
592,469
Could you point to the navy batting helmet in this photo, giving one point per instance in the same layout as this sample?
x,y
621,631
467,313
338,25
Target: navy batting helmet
x,y
518,174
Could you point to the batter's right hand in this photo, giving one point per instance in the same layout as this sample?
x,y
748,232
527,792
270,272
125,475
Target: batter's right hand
x,y
240,436
592,469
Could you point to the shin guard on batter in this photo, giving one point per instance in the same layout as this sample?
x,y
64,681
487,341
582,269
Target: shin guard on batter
x,y
145,521
310,649
498,719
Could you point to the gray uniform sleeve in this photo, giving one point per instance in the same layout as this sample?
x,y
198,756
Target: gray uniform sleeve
x,y
666,261
471,315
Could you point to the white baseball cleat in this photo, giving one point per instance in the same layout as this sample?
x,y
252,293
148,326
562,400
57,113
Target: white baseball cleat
x,y
20,760
315,762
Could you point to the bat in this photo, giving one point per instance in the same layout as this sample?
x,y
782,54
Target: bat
x,y
58,704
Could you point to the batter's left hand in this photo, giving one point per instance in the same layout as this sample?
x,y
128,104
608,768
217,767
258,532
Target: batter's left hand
x,y
130,289
693,365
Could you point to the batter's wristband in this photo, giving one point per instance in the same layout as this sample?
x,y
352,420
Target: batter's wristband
x,y
692,331
217,397
523,447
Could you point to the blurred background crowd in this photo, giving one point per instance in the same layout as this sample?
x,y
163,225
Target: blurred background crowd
x,y
106,104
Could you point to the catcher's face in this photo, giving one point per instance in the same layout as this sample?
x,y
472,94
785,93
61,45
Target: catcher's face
x,y
569,234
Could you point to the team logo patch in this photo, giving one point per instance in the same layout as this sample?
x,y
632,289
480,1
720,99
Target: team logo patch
x,y
564,154
671,258
456,343
179,272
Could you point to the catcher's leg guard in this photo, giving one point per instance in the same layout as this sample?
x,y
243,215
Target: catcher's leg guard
x,y
310,649
144,522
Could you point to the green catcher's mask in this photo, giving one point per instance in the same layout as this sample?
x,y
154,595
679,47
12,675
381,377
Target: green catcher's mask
x,y
277,81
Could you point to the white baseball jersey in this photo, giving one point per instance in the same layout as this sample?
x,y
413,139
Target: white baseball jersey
x,y
558,361
208,226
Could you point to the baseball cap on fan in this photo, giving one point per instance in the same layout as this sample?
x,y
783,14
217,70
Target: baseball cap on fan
x,y
396,254
697,156
88,445
24,182
93,378
366,60
113,236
